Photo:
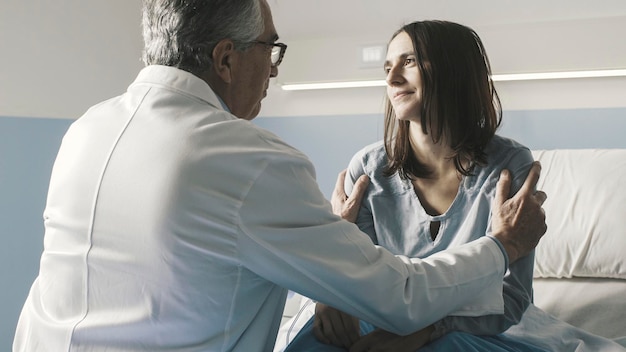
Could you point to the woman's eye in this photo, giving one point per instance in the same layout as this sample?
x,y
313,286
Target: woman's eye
x,y
409,60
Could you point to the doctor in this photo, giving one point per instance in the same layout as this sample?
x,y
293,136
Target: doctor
x,y
175,224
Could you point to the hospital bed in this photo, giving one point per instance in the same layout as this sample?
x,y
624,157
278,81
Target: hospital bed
x,y
580,265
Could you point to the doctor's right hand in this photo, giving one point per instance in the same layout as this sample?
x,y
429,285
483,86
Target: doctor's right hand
x,y
344,206
520,221
334,327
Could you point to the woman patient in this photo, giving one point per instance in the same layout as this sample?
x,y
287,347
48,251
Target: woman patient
x,y
434,173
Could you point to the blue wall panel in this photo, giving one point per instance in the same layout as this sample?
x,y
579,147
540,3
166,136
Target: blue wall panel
x,y
567,129
329,141
28,148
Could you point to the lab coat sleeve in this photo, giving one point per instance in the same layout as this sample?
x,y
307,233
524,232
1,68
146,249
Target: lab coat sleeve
x,y
289,236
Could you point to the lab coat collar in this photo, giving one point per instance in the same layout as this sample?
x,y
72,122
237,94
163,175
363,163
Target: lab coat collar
x,y
183,81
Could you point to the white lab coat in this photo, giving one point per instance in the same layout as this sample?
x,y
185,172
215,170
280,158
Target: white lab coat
x,y
171,225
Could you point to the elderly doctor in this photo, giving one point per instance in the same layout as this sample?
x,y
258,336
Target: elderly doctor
x,y
173,223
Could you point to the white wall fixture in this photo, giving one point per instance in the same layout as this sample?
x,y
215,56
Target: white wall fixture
x,y
372,56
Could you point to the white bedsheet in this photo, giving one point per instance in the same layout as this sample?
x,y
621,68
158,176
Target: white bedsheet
x,y
593,304
541,329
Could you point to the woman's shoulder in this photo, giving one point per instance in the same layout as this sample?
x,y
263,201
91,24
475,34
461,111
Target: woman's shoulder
x,y
502,149
372,161
500,142
371,157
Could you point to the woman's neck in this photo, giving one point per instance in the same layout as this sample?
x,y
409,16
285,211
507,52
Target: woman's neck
x,y
437,157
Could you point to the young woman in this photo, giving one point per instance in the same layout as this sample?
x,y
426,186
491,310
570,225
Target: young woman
x,y
434,174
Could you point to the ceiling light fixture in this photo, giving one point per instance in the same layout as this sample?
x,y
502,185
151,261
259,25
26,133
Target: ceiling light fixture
x,y
496,78
333,85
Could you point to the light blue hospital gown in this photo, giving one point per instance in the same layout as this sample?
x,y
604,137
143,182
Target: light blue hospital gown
x,y
392,215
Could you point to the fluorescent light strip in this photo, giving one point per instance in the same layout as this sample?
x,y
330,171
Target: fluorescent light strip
x,y
559,75
496,78
333,85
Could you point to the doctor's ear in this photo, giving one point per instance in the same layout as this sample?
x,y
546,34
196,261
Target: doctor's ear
x,y
224,56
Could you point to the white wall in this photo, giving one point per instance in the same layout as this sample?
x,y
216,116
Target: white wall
x,y
580,44
60,57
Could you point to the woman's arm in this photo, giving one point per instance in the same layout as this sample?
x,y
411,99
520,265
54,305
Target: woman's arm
x,y
517,289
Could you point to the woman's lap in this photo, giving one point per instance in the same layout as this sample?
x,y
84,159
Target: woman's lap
x,y
460,341
305,341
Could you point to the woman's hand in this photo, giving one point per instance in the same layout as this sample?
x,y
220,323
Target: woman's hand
x,y
383,341
334,327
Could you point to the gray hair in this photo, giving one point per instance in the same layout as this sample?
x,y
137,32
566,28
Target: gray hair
x,y
183,33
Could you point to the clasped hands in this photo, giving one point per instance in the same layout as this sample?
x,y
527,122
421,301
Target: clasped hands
x,y
334,327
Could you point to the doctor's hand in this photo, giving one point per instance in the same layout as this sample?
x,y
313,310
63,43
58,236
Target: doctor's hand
x,y
344,206
334,327
381,340
519,222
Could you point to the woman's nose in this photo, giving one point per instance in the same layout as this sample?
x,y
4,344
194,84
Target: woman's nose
x,y
394,76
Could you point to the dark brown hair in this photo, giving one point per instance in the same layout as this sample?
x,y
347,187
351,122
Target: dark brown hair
x,y
458,100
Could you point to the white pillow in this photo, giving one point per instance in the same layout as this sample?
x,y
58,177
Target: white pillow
x,y
585,213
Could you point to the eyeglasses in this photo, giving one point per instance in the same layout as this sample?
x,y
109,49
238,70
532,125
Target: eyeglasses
x,y
278,51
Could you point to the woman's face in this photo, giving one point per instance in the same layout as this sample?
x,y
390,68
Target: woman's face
x,y
403,78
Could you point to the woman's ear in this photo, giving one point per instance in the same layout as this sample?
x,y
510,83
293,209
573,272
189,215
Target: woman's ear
x,y
224,56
